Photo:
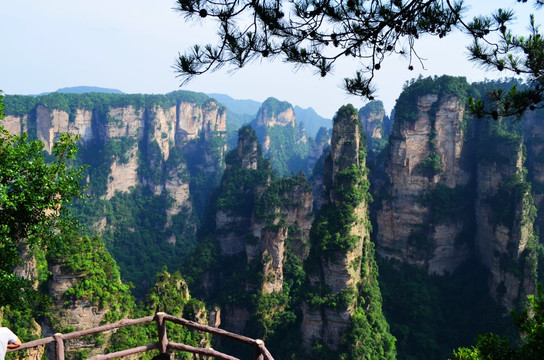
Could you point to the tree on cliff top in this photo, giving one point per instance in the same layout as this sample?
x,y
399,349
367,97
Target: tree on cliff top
x,y
317,33
33,193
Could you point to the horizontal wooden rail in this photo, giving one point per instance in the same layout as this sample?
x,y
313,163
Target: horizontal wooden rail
x,y
201,351
212,330
261,352
128,352
34,343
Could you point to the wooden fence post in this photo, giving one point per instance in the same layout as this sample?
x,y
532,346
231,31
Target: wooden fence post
x,y
59,342
258,353
161,327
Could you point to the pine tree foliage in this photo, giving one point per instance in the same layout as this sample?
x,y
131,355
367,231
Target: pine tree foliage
x,y
317,33
517,54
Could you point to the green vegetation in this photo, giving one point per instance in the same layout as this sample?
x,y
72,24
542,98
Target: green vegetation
x,y
530,327
506,202
430,315
432,164
447,204
201,156
373,107
376,145
367,335
99,280
247,193
406,108
21,105
278,196
37,222
136,222
136,233
33,199
169,294
288,147
274,107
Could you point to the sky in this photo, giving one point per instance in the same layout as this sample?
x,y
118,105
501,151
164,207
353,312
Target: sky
x,y
132,45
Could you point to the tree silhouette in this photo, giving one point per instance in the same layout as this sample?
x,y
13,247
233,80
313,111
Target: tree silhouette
x,y
317,33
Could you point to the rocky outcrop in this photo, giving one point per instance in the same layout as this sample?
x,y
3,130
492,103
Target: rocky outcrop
x,y
423,154
283,140
341,262
275,113
534,140
505,214
156,145
168,127
376,125
67,316
336,270
456,189
258,218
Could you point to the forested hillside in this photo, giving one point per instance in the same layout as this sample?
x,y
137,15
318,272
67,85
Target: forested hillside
x,y
399,236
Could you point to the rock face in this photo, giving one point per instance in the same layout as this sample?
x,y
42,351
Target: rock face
x,y
137,123
154,144
271,114
449,183
534,140
283,140
335,271
256,216
435,139
342,257
85,290
275,113
78,315
505,214
375,123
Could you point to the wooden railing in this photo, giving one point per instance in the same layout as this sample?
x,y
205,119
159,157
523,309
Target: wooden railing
x,y
261,352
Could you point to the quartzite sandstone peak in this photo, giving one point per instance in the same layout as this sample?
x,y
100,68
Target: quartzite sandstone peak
x,y
450,179
343,256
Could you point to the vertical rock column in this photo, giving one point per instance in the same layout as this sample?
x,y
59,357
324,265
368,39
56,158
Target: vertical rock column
x,y
344,292
505,213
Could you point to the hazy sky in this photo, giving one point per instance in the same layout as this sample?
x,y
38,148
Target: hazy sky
x,y
131,45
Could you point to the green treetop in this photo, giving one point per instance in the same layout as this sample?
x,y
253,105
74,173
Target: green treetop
x,y
530,323
33,195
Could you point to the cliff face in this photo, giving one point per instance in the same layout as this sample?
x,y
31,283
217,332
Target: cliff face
x,y
157,123
423,154
505,214
456,189
283,140
534,140
275,113
166,151
376,125
77,315
258,219
285,277
341,261
86,291
335,271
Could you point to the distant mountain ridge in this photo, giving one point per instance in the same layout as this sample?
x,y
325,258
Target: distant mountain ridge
x,y
312,120
88,89
242,107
